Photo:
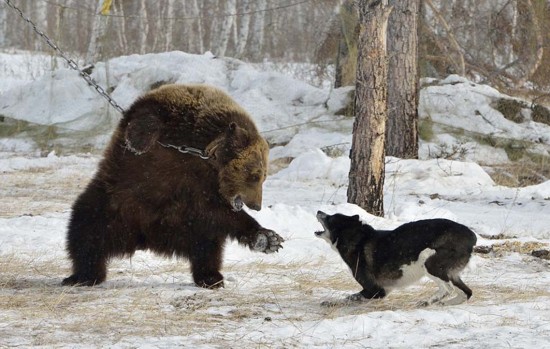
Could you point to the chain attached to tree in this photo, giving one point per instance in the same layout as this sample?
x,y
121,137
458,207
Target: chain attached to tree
x,y
72,64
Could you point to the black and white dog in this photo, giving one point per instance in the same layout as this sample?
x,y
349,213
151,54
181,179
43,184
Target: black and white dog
x,y
383,260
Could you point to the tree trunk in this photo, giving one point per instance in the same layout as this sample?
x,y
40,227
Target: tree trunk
x,y
346,57
169,14
257,40
402,123
366,177
41,21
224,34
142,27
197,13
3,26
95,47
244,28
121,27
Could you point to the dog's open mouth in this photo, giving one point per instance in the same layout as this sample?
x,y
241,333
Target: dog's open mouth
x,y
321,216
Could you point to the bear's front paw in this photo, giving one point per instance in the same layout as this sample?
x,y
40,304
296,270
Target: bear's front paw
x,y
267,241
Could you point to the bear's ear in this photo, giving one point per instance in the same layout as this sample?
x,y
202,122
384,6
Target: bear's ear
x,y
227,145
237,137
142,133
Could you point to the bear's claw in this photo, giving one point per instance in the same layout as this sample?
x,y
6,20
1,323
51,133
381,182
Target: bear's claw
x,y
267,241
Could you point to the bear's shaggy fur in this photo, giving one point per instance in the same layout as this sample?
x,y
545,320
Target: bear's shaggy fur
x,y
148,195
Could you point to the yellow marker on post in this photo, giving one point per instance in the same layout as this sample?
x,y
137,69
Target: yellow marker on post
x,y
106,7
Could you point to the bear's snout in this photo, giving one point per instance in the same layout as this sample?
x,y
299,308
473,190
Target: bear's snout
x,y
253,198
253,203
255,207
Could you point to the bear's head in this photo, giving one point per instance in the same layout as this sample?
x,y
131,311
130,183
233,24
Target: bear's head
x,y
207,118
241,159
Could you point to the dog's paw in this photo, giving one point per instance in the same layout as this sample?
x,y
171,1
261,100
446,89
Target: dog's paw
x,y
346,301
356,297
267,241
330,304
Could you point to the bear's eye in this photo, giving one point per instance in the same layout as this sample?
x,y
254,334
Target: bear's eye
x,y
254,178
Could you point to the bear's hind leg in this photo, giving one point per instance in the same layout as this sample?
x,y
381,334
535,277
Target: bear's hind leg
x,y
86,237
206,261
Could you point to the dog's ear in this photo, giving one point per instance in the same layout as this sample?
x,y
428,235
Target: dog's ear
x,y
355,217
142,133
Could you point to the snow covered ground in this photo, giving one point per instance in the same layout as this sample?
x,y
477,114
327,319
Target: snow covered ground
x,y
270,301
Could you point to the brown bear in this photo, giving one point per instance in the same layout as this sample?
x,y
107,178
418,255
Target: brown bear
x,y
151,192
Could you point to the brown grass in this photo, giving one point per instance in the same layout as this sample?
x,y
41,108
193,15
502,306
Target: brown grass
x,y
36,191
135,302
524,247
520,174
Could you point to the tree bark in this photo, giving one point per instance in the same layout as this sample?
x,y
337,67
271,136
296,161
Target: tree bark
x,y
402,123
366,177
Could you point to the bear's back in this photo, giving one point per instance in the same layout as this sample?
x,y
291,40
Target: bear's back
x,y
191,114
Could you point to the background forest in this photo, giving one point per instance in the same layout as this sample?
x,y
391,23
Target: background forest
x,y
497,41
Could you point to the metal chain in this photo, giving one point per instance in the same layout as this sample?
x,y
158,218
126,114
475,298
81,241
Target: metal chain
x,y
69,61
187,150
182,149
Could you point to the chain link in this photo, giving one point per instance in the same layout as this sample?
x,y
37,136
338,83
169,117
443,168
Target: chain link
x,y
72,64
187,150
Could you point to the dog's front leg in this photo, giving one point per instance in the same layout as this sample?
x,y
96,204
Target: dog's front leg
x,y
370,289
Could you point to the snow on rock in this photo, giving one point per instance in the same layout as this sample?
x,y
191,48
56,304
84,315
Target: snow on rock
x,y
315,164
460,104
311,139
436,176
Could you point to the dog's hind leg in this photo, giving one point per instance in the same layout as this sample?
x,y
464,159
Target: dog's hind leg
x,y
445,289
461,285
460,297
438,268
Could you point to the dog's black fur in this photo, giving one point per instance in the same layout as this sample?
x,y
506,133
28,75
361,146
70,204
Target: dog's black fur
x,y
382,260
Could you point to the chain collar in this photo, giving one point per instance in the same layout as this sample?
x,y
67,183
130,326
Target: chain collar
x,y
187,150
